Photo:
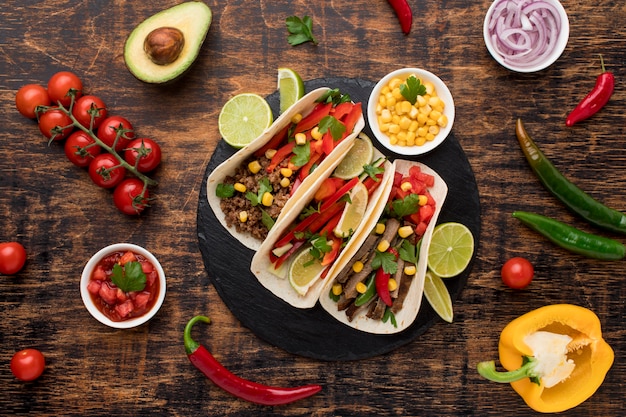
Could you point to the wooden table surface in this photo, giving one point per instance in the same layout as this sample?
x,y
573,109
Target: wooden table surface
x,y
52,208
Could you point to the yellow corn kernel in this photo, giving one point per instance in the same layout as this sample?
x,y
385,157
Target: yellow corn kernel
x,y
433,129
392,284
410,269
337,289
406,186
421,119
296,118
405,122
394,82
430,137
414,112
300,138
254,167
393,139
385,116
240,187
413,126
267,199
420,140
405,231
410,138
284,182
395,119
382,102
438,108
430,88
269,154
243,216
430,122
435,114
434,101
394,128
422,200
383,245
421,101
357,266
361,288
385,90
442,121
380,228
384,127
406,107
316,134
425,109
396,93
401,137
421,131
286,172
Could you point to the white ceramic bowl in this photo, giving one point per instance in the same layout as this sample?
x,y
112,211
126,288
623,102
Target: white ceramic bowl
x,y
442,92
86,275
548,59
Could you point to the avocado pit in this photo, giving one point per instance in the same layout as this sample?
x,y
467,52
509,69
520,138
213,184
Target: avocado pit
x,y
164,45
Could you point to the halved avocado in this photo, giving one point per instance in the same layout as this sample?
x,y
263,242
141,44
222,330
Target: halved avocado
x,y
163,47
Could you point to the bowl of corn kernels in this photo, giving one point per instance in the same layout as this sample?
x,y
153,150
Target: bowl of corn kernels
x,y
410,111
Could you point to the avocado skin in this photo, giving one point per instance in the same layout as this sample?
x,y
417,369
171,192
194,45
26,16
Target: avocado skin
x,y
192,18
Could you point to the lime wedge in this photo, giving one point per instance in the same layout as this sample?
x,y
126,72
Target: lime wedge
x,y
290,88
451,249
353,212
304,271
243,118
438,296
361,153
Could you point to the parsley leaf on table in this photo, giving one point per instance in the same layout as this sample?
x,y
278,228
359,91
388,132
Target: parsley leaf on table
x,y
412,88
300,30
129,277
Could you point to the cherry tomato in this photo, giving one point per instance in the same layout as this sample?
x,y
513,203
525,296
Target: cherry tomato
x,y
517,273
109,128
147,151
127,196
61,85
88,106
28,364
80,149
55,124
12,258
29,97
105,171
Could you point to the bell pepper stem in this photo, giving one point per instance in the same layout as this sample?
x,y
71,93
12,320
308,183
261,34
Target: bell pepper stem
x,y
191,345
488,370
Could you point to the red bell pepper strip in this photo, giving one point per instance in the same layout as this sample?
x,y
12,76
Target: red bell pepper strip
x,y
239,387
280,156
352,118
328,143
341,110
372,184
329,257
306,168
328,228
281,260
320,111
343,190
595,100
314,221
405,16
325,216
382,286
275,142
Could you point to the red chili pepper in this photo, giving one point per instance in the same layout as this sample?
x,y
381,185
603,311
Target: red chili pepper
x,y
405,16
595,100
242,388
382,286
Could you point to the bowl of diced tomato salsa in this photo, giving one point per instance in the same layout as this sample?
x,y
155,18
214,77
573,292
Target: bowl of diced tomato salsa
x,y
123,285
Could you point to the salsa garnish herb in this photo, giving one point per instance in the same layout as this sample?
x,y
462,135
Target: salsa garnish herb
x,y
129,277
412,88
300,30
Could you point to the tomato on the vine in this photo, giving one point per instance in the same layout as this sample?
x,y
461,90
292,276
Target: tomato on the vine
x,y
88,106
109,129
29,97
80,149
127,196
12,258
517,273
105,171
147,151
28,364
61,85
55,124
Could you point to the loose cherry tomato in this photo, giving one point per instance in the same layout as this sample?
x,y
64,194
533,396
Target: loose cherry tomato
x,y
517,273
147,151
109,128
12,258
105,171
28,364
88,106
29,97
55,124
61,85
127,196
80,149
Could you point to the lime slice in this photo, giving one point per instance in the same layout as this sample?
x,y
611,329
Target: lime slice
x,y
438,296
290,88
451,249
353,212
243,118
304,271
361,153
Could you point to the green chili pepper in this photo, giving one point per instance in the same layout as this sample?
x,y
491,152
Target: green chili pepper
x,y
573,197
573,239
369,292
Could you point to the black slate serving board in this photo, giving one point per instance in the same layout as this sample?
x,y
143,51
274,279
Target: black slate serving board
x,y
313,332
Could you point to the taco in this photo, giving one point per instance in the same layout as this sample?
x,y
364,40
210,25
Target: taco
x,y
313,235
252,189
394,249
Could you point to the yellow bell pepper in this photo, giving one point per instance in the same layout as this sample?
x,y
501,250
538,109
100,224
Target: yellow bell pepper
x,y
566,364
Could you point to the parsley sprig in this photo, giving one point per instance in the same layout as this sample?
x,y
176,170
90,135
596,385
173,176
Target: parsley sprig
x,y
129,277
412,88
300,30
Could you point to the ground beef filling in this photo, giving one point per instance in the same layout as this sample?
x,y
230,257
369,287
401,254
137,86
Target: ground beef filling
x,y
234,205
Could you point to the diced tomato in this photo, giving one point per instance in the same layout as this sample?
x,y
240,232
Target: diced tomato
x,y
415,218
280,155
397,179
426,213
108,294
329,257
151,278
127,257
416,172
125,308
320,111
99,274
146,267
94,287
420,229
141,300
275,142
121,296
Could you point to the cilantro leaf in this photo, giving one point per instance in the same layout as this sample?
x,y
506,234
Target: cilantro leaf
x,y
300,30
301,155
334,96
412,88
225,190
330,123
372,171
129,277
267,220
386,260
408,252
264,187
405,207
389,316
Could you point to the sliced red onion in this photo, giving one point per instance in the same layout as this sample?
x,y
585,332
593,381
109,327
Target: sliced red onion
x,y
523,32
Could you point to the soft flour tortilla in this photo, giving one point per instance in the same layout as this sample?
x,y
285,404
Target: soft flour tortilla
x,y
305,106
277,281
406,316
